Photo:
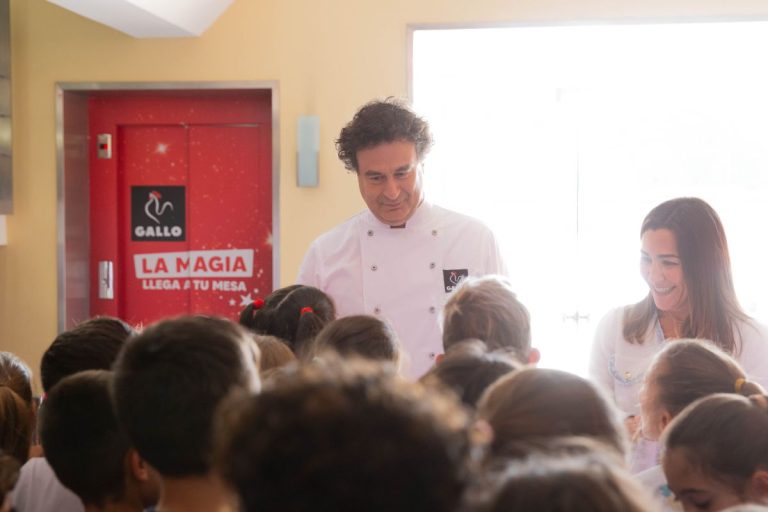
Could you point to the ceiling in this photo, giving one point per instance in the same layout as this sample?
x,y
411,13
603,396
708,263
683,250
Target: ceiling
x,y
150,18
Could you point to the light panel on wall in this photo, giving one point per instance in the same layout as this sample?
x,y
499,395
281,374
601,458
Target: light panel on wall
x,y
307,148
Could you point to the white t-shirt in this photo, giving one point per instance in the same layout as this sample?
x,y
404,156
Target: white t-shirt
x,y
38,490
403,274
655,481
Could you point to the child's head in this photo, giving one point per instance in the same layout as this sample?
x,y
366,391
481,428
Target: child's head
x,y
683,372
86,448
344,436
295,314
17,415
561,482
168,382
15,374
91,345
487,309
540,403
9,474
358,335
468,369
715,452
275,353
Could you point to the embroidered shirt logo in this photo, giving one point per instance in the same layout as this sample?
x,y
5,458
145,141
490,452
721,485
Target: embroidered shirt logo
x,y
453,277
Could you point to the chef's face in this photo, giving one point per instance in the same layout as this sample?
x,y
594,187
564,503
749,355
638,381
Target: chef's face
x,y
391,181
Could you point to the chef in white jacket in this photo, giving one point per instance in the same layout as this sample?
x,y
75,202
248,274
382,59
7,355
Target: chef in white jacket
x,y
401,257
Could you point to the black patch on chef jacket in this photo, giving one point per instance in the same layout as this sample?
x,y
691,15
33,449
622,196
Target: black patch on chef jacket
x,y
453,277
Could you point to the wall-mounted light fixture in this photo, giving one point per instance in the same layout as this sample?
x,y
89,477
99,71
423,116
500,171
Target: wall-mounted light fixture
x,y
307,149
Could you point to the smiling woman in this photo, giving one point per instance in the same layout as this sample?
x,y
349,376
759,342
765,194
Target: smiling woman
x,y
661,268
686,265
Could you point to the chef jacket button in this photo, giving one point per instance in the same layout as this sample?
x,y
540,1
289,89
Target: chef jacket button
x,y
432,265
374,268
370,232
434,232
376,310
432,309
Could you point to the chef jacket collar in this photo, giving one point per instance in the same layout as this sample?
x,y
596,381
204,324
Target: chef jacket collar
x,y
419,218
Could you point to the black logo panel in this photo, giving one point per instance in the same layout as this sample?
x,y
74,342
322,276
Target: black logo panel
x,y
453,277
158,213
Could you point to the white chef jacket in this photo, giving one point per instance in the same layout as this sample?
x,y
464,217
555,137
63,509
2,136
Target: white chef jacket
x,y
403,274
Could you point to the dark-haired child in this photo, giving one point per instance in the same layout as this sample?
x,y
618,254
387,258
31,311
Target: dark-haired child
x,y
168,382
363,336
294,314
88,451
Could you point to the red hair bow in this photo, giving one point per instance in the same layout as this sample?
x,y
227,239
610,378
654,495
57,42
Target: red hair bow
x,y
257,305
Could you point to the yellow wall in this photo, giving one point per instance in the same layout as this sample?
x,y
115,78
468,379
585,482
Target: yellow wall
x,y
329,57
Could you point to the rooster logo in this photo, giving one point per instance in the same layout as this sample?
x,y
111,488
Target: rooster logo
x,y
154,199
453,278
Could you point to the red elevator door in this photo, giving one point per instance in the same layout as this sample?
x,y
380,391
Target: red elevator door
x,y
181,210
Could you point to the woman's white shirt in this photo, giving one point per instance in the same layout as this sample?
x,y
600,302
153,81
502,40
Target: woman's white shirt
x,y
619,367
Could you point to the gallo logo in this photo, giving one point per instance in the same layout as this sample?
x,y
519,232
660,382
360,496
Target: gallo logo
x,y
154,204
453,277
158,213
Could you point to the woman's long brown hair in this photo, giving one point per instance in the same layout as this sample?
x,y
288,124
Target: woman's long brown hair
x,y
703,251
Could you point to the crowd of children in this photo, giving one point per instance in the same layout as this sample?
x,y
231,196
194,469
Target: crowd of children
x,y
295,410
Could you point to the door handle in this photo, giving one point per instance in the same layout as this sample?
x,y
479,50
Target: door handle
x,y
106,280
576,317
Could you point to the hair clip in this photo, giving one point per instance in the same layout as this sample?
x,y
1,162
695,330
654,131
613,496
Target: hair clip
x,y
307,309
257,304
739,384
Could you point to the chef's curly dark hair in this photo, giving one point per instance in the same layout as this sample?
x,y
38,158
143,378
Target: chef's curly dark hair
x,y
380,122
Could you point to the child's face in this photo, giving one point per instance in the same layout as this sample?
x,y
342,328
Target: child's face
x,y
696,491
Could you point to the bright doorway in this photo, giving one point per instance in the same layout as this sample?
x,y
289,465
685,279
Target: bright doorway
x,y
562,138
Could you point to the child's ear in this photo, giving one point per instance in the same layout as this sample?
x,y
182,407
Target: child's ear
x,y
534,356
665,418
137,466
757,488
439,358
481,432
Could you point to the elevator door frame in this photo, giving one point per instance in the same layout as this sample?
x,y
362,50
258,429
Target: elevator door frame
x,y
73,226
